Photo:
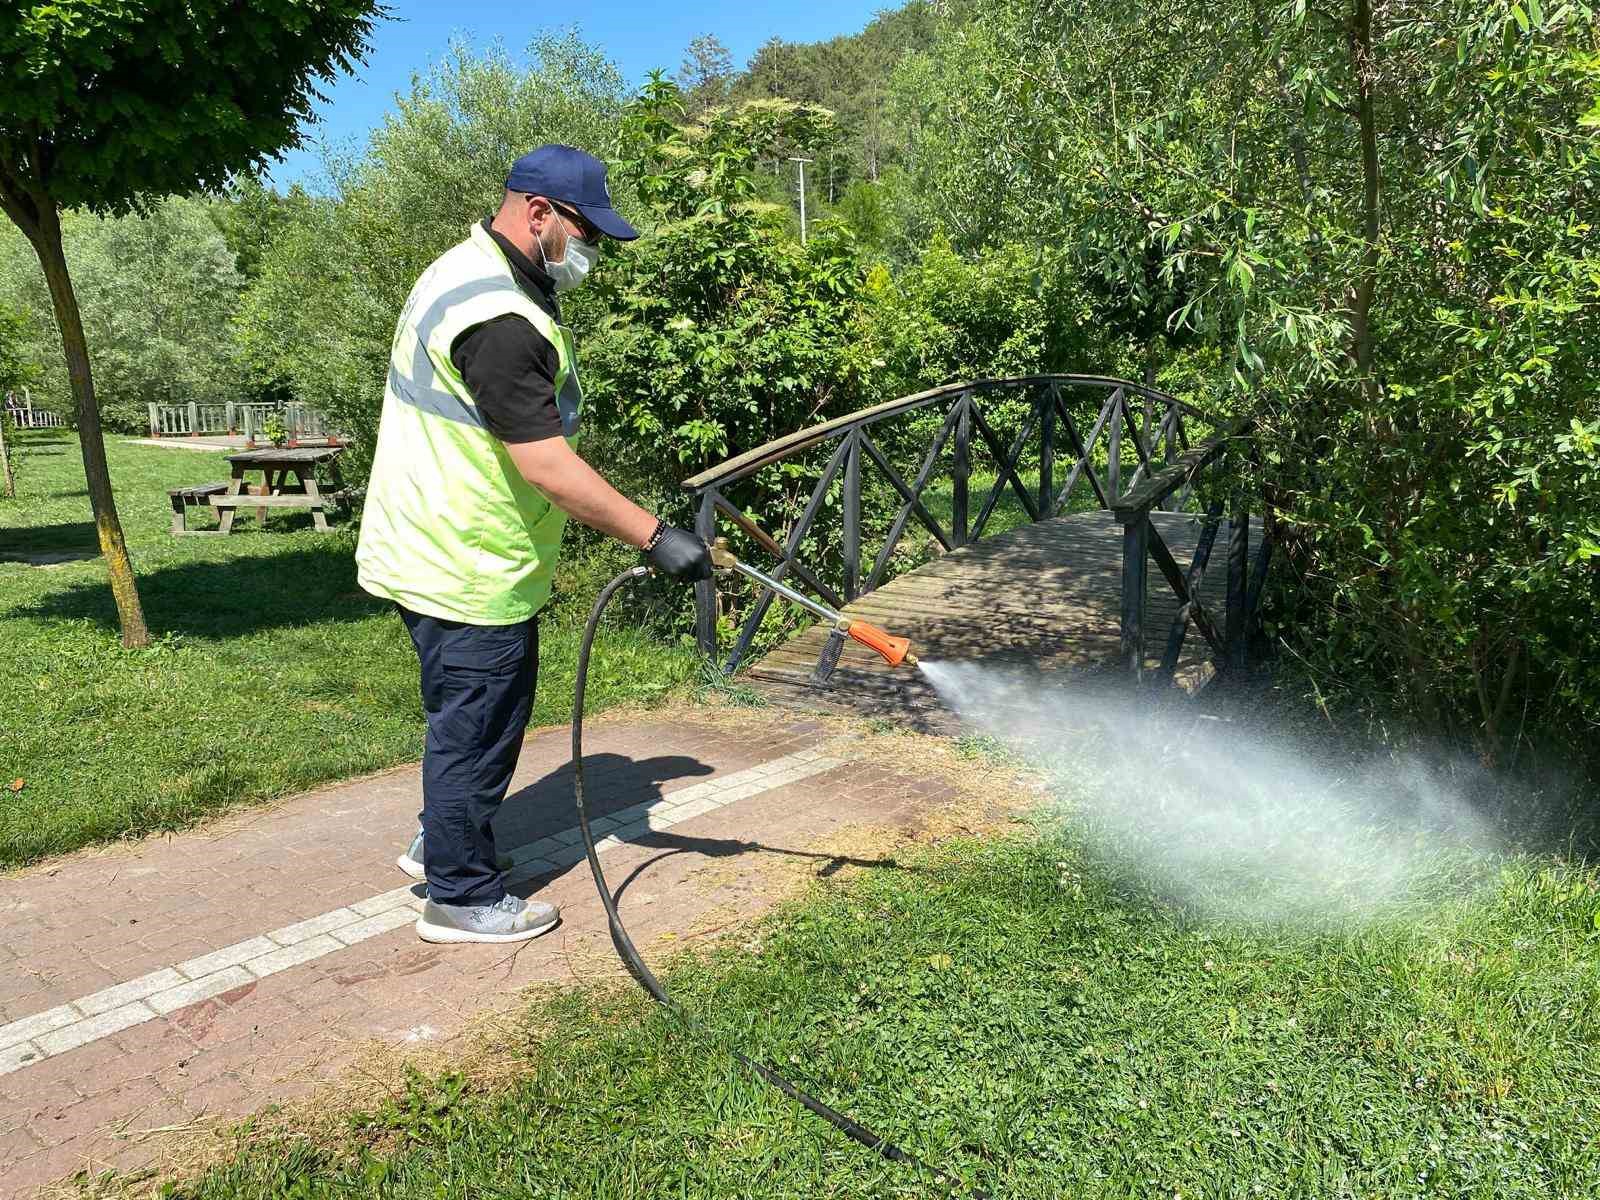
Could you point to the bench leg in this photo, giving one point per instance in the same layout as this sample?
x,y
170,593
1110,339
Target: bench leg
x,y
309,482
180,523
274,487
225,522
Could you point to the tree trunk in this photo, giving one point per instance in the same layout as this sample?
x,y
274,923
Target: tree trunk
x,y
8,486
90,439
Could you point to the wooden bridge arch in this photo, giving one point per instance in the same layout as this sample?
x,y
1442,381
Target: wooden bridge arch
x,y
1146,459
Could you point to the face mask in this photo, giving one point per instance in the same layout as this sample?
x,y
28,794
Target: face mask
x,y
574,264
568,271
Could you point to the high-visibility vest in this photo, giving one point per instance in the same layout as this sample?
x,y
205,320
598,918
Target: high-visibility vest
x,y
450,527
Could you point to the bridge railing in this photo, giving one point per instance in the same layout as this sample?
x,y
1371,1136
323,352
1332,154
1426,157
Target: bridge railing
x,y
1117,441
1225,457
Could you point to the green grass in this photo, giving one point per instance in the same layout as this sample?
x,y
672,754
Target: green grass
x,y
271,671
1009,513
1015,1013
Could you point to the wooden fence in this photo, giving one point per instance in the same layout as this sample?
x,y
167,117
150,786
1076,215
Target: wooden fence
x,y
24,416
300,422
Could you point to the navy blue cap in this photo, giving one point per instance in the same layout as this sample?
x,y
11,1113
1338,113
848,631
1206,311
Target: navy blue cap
x,y
573,177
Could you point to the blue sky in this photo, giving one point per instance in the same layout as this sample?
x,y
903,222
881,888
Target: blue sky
x,y
636,34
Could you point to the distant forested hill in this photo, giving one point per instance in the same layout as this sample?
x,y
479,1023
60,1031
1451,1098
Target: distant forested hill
x,y
848,74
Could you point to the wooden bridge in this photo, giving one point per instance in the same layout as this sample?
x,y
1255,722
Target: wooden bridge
x,y
1052,576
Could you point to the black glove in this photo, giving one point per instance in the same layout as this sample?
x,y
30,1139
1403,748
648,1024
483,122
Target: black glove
x,y
679,553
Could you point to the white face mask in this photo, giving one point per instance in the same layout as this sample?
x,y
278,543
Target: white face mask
x,y
568,271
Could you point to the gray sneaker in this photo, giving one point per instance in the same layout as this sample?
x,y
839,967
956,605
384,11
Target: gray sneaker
x,y
511,920
411,862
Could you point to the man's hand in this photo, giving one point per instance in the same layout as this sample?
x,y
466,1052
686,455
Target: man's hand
x,y
579,490
680,554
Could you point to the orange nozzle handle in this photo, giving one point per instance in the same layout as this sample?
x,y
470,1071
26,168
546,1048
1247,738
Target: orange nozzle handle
x,y
893,650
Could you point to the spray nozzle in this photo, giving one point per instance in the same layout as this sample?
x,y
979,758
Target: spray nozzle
x,y
893,650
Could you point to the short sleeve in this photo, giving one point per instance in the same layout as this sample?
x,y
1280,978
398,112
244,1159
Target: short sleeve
x,y
510,369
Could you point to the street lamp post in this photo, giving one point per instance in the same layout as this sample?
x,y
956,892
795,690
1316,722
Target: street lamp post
x,y
802,162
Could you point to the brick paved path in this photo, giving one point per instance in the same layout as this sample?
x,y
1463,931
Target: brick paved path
x,y
203,975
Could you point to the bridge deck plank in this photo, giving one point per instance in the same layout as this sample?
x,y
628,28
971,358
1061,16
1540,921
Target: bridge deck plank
x,y
1045,596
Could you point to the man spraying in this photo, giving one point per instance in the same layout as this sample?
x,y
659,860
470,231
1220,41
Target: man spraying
x,y
474,477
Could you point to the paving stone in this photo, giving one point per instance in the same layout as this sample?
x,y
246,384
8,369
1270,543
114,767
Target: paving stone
x,y
568,856
696,808
14,1058
31,1027
317,872
303,931
628,833
203,988
381,923
93,1028
395,898
209,964
124,993
292,956
223,1094
60,1124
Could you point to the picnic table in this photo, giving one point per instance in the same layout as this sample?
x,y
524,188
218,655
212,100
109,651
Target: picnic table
x,y
276,464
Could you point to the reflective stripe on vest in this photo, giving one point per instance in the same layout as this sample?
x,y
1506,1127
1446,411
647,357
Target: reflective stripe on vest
x,y
450,528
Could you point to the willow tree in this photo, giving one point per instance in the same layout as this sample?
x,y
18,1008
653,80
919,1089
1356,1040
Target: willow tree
x,y
107,104
1378,218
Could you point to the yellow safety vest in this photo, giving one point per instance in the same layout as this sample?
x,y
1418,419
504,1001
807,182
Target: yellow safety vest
x,y
450,528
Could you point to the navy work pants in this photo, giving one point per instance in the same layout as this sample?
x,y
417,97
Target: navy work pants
x,y
477,691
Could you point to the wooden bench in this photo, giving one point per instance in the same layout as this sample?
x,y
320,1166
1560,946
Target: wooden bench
x,y
276,464
197,495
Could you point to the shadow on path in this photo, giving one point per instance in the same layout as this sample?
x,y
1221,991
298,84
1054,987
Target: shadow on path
x,y
611,782
615,781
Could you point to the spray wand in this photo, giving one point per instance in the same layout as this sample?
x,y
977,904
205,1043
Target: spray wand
x,y
896,651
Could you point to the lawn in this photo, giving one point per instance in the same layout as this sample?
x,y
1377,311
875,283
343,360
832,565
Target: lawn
x,y
271,671
1015,1012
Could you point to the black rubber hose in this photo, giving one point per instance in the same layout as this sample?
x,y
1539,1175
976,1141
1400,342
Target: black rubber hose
x,y
635,963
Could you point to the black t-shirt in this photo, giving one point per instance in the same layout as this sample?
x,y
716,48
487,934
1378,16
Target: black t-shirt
x,y
510,368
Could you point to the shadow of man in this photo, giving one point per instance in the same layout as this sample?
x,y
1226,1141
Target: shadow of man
x,y
614,783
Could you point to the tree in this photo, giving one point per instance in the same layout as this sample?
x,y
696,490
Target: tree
x,y
319,312
15,372
1376,218
720,327
706,72
250,214
157,292
105,104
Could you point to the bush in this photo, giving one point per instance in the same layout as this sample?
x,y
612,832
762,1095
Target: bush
x,y
717,331
1372,223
